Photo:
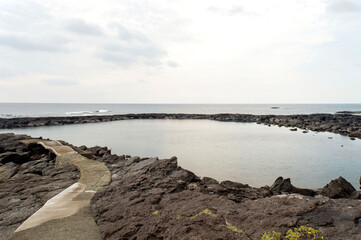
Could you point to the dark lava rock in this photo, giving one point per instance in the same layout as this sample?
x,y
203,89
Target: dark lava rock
x,y
338,188
14,157
28,178
344,124
157,199
284,186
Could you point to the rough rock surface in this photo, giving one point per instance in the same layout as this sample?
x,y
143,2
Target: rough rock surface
x,y
156,199
338,188
342,123
28,178
284,186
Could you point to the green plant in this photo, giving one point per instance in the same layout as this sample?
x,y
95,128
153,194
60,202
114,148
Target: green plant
x,y
232,228
303,233
271,236
206,211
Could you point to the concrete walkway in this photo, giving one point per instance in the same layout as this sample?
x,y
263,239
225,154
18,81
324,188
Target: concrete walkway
x,y
68,214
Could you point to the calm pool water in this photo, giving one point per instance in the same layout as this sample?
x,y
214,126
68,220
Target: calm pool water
x,y
243,152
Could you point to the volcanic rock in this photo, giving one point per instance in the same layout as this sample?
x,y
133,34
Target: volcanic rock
x,y
343,123
338,188
157,199
28,178
284,186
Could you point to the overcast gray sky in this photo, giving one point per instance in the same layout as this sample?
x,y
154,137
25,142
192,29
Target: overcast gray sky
x,y
180,51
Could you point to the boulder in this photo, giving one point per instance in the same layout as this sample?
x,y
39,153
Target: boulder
x,y
338,188
284,186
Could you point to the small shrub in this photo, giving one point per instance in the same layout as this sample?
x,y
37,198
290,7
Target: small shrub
x,y
271,236
303,233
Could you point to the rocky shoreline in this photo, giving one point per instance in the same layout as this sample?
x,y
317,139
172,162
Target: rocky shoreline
x,y
151,198
29,177
342,123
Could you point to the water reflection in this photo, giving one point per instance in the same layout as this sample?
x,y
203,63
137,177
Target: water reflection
x,y
243,152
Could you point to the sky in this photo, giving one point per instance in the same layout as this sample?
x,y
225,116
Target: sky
x,y
180,51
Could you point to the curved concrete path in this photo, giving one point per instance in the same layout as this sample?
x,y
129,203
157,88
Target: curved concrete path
x,y
68,214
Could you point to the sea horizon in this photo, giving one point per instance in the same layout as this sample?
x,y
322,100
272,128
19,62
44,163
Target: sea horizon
x,y
8,110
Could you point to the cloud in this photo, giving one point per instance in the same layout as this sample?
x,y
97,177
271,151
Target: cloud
x,y
141,80
236,10
126,34
28,26
232,11
358,62
20,15
131,47
173,64
27,42
343,6
59,82
6,72
215,10
127,54
79,26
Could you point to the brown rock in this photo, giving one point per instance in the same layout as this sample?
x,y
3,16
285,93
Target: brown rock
x,y
27,183
159,200
284,186
338,188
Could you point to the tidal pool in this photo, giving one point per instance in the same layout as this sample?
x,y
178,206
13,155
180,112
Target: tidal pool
x,y
244,152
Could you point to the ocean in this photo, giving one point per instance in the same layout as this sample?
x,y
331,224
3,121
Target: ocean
x,y
244,152
67,109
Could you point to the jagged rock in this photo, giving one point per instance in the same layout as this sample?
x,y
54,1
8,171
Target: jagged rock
x,y
284,186
151,198
26,183
338,188
157,199
14,157
208,180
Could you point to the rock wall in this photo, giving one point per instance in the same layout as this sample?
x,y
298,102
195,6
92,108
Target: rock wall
x,y
344,124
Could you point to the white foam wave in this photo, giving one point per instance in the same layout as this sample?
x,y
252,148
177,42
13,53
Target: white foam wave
x,y
102,111
88,112
78,113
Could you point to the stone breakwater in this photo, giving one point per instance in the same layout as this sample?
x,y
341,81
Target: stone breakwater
x,y
344,124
